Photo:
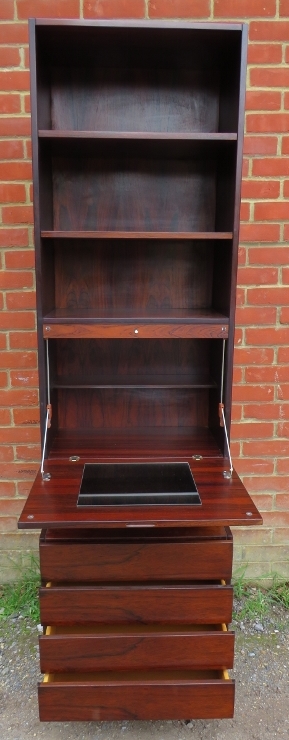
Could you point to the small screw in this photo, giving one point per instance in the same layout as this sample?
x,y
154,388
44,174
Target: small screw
x,y
30,516
74,458
136,331
224,328
197,457
47,328
249,513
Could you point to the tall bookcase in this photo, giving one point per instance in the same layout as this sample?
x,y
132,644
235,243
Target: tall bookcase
x,y
137,151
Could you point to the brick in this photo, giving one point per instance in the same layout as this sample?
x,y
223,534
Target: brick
x,y
17,320
14,33
20,301
236,414
284,315
255,536
19,470
248,393
12,192
264,53
20,126
264,502
269,335
6,453
266,374
253,430
260,189
9,56
268,255
17,214
14,80
14,237
283,395
28,452
260,145
26,416
285,144
244,8
16,279
257,276
15,171
47,9
245,167
114,9
248,315
284,8
268,296
259,232
23,340
283,467
263,100
269,31
283,427
283,354
12,149
3,379
7,488
273,484
270,448
267,122
10,103
27,379
6,10
271,167
285,275
280,536
277,519
177,8
251,356
20,260
3,342
259,466
5,417
27,104
245,212
271,211
11,507
23,487
21,397
17,360
275,411
19,435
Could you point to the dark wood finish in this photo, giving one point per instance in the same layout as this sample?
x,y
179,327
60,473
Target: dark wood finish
x,y
54,504
136,235
135,561
137,151
135,648
175,603
178,695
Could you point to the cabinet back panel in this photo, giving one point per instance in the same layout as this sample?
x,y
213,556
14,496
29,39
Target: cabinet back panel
x,y
91,409
85,361
133,194
130,275
89,98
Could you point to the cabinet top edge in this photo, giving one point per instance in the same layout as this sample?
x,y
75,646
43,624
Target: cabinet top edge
x,y
132,23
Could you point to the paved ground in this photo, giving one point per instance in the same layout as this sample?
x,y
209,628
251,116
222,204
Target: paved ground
x,y
262,692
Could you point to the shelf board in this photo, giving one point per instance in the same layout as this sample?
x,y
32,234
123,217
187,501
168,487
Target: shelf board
x,y
175,235
169,324
134,381
135,135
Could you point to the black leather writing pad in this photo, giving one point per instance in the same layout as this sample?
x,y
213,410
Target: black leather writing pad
x,y
133,484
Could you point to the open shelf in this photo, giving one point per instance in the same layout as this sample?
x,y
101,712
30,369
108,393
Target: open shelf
x,y
137,381
170,235
138,135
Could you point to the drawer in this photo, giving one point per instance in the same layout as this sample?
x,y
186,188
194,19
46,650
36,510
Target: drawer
x,y
135,647
130,603
136,695
136,560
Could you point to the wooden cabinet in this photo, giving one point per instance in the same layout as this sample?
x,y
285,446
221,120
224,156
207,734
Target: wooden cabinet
x,y
137,153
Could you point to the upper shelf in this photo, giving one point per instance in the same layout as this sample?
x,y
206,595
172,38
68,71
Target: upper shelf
x,y
136,234
158,135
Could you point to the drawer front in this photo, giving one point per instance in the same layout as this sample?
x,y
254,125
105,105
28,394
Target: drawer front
x,y
75,700
136,650
199,604
136,561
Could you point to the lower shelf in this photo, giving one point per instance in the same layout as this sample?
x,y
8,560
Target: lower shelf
x,y
136,695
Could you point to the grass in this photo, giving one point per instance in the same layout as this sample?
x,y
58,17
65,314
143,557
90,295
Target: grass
x,y
22,597
256,602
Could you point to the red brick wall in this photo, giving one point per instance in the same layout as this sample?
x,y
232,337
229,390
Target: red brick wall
x,y
260,430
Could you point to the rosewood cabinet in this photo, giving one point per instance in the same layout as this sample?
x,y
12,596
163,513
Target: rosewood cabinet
x,y
137,152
